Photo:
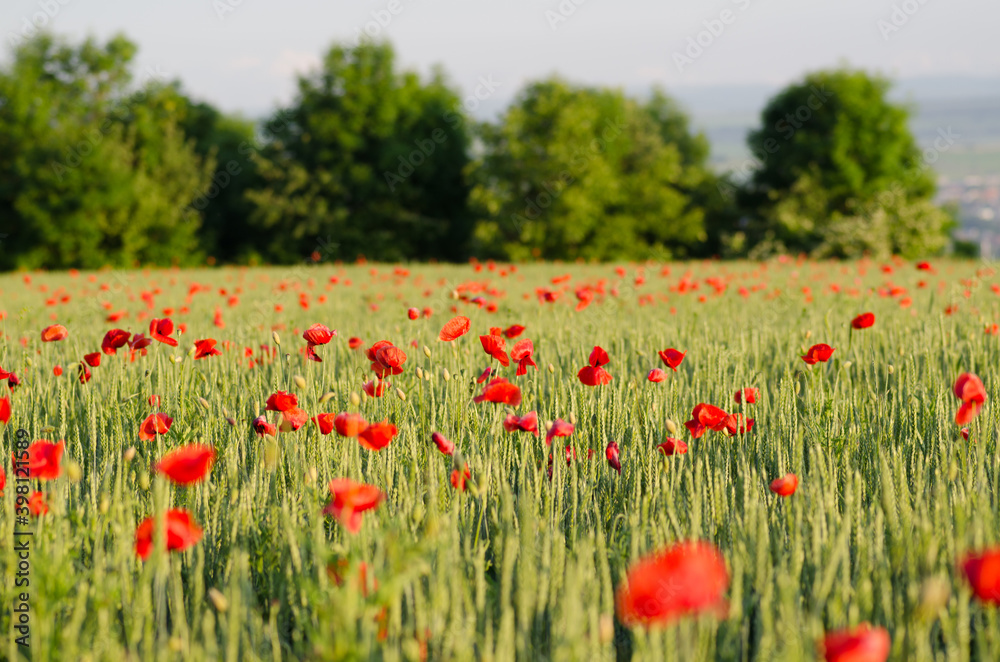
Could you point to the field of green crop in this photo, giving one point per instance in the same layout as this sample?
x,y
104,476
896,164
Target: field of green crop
x,y
891,496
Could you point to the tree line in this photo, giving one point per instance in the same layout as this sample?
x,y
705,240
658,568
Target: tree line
x,y
98,169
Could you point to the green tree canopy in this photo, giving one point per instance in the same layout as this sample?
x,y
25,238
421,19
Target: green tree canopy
x,y
89,175
365,161
582,172
839,173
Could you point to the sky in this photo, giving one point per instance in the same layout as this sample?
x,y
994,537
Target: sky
x,y
243,55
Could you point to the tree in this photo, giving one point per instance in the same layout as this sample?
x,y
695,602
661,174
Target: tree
x,y
365,161
839,174
580,172
87,178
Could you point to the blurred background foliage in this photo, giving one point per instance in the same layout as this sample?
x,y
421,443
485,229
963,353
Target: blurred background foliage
x,y
98,169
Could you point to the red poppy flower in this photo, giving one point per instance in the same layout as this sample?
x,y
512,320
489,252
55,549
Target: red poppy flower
x,y
54,333
443,445
863,321
325,423
262,427
43,461
37,505
57,371
182,533
138,342
455,328
495,346
355,342
820,353
738,424
748,395
391,360
350,500
160,329
593,376
672,447
611,452
153,425
686,578
84,374
656,376
861,644
3,480
513,331
188,464
526,423
205,348
154,401
293,419
4,410
484,375
93,360
704,417
318,334
523,353
672,358
377,436
459,478
413,313
281,401
375,389
786,485
969,388
349,424
500,391
983,572
560,428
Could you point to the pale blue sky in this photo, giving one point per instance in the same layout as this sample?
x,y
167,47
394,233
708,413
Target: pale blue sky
x,y
244,58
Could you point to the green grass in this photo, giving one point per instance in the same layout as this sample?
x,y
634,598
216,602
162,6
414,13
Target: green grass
x,y
518,567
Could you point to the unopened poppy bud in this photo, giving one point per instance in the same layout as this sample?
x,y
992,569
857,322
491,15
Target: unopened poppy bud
x,y
571,419
231,421
427,376
176,359
204,403
355,398
420,372
329,395
364,397
427,351
551,369
808,334
400,394
276,338
548,424
671,427
144,481
105,504
218,600
934,596
73,472
300,381
175,644
606,628
454,294
129,454
271,455
311,475
892,369
446,375
848,364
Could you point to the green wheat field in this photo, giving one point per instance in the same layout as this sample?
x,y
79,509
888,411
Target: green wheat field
x,y
518,565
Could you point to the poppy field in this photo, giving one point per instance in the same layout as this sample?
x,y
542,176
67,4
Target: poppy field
x,y
789,460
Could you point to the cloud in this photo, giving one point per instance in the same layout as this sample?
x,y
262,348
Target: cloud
x,y
290,63
246,62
